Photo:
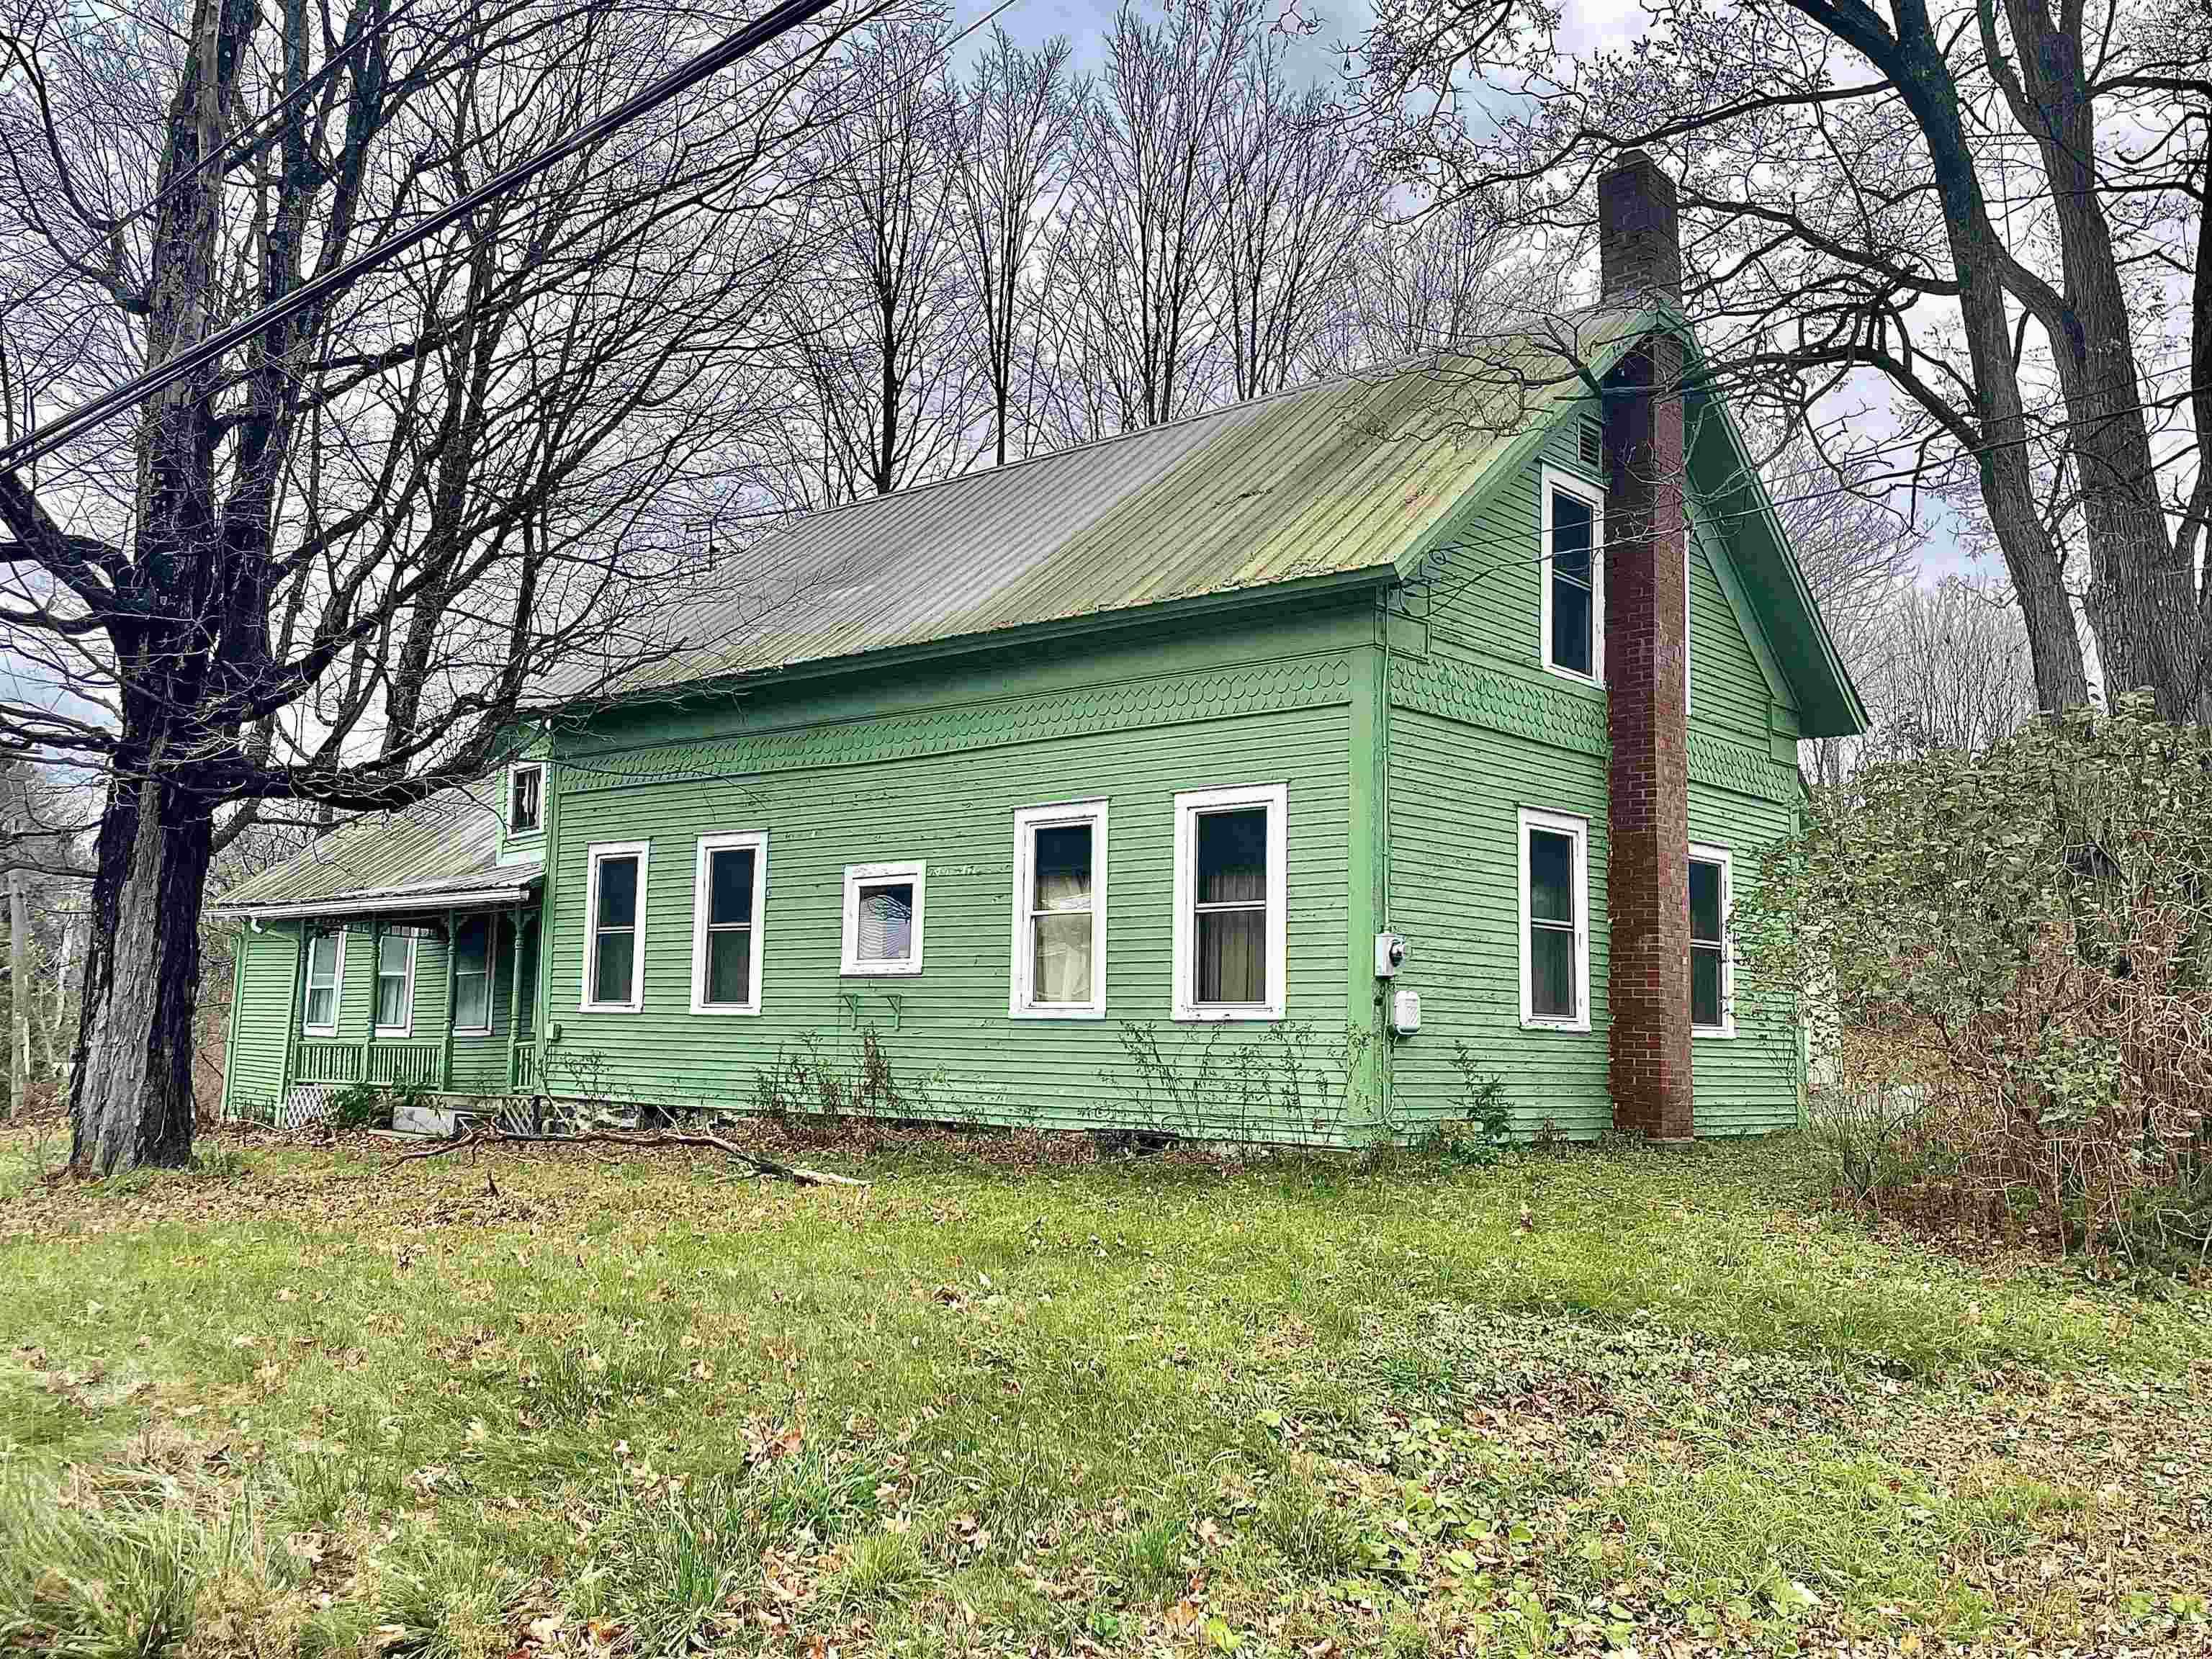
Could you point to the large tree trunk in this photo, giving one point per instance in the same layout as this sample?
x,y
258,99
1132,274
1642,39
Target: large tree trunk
x,y
130,1100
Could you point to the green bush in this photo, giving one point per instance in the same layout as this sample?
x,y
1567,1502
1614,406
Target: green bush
x,y
2005,961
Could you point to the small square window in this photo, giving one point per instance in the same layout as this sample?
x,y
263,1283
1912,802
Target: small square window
x,y
614,904
1231,896
729,893
395,984
526,806
1554,921
1060,912
1712,994
1572,586
883,908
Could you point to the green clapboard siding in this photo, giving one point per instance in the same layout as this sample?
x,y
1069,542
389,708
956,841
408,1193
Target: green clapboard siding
x,y
1750,1082
951,1044
257,1053
480,1062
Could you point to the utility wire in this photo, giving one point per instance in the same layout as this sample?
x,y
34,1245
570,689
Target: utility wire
x,y
740,43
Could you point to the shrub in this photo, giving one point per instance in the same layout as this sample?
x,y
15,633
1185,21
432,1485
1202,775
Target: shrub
x,y
2005,963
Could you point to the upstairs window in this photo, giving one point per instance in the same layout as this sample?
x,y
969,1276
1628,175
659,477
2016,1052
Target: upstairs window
x,y
472,960
614,963
1232,889
1554,921
729,889
395,984
1712,1011
1060,912
1573,577
525,790
325,977
884,916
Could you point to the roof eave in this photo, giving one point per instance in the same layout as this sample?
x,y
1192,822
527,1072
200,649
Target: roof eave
x,y
411,899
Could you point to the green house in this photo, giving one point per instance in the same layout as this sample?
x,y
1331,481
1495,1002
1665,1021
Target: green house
x,y
1297,770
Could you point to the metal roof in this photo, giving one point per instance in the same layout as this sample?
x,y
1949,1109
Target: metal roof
x,y
440,852
1345,476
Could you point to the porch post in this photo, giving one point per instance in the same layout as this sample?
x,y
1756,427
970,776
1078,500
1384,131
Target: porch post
x,y
295,1012
515,993
375,973
445,1030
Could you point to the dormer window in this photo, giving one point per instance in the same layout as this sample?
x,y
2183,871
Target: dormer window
x,y
526,805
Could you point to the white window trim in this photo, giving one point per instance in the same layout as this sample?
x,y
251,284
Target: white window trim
x,y
598,852
406,1027
915,870
491,971
337,986
1563,823
514,771
702,877
1028,820
1551,478
1188,807
1706,853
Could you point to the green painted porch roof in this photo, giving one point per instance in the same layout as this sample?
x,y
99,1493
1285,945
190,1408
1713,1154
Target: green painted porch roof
x,y
1346,476
440,853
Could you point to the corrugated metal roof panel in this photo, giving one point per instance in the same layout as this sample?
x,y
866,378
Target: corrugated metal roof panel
x,y
1345,476
446,845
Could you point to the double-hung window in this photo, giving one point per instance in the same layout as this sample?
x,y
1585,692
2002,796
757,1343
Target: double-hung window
x,y
1060,912
395,984
1712,1001
884,906
1572,604
729,889
472,971
1554,921
326,980
614,907
526,802
1231,887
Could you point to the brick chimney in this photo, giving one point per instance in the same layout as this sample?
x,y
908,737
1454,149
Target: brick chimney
x,y
1648,877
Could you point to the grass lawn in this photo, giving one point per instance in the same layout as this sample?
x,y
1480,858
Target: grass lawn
x,y
534,1403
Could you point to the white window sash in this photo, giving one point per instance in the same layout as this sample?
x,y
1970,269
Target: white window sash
x,y
859,877
336,984
1551,478
404,1026
756,841
1576,829
514,776
1021,1002
1190,805
597,854
1706,853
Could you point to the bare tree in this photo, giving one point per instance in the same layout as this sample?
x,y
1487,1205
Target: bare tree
x,y
1994,211
1145,211
1947,668
1017,121
1295,196
1427,284
502,443
876,326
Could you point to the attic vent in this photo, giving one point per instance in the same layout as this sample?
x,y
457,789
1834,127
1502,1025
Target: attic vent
x,y
1591,443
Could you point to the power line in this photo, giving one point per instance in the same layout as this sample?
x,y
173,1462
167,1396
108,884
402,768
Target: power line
x,y
739,44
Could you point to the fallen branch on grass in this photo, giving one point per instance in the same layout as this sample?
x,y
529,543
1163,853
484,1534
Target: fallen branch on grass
x,y
493,1134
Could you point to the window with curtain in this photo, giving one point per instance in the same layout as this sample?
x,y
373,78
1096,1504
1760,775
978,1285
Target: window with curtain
x,y
326,953
1555,931
472,958
1060,864
1231,888
726,938
614,966
1709,966
884,918
525,788
395,982
1230,934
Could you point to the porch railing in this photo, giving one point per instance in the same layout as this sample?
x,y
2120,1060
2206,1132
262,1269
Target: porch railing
x,y
381,1061
522,1068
